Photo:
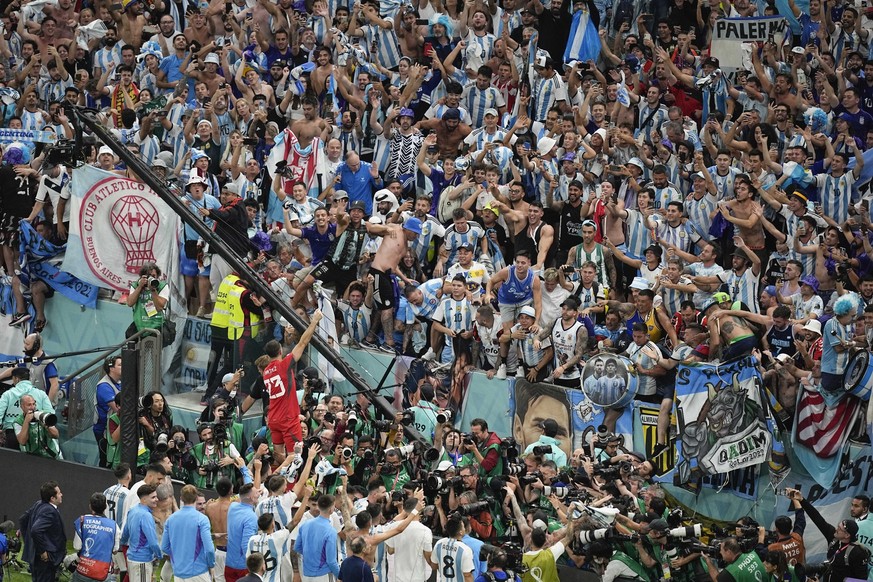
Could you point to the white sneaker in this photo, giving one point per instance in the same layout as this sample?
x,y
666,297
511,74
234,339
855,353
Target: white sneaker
x,y
346,340
519,373
501,372
429,355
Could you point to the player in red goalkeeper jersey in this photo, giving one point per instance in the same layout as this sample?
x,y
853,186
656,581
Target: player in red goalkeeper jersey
x,y
283,415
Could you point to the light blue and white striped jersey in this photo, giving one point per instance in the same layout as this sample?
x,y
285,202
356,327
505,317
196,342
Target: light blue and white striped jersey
x,y
225,126
148,147
683,235
673,298
430,229
639,236
698,212
479,137
430,298
458,316
649,118
281,506
742,287
49,90
833,362
437,109
454,239
724,185
481,47
700,270
32,121
665,195
453,559
478,100
319,26
349,140
528,354
106,55
836,194
356,321
275,548
116,496
387,45
546,92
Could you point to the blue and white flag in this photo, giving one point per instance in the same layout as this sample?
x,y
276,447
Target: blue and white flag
x,y
34,260
584,42
797,174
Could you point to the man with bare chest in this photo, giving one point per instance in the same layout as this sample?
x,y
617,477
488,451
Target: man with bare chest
x,y
216,511
311,126
130,22
395,242
731,331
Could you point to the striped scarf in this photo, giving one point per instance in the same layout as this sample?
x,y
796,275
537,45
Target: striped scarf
x,y
117,101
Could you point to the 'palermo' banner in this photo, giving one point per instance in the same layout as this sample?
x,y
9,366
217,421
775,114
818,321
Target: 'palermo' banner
x,y
722,419
116,226
730,35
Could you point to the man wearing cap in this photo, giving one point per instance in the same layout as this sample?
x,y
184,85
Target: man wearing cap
x,y
395,242
231,226
807,304
534,354
192,263
404,142
488,132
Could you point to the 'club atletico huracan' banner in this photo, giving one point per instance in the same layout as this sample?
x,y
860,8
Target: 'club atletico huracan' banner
x,y
722,419
116,226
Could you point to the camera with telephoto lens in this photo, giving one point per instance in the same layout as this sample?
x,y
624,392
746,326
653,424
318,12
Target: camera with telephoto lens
x,y
431,454
162,441
45,418
473,508
603,436
346,453
606,471
606,533
154,283
444,416
542,450
211,468
352,418
689,531
404,451
382,425
686,547
467,439
530,478
514,469
329,417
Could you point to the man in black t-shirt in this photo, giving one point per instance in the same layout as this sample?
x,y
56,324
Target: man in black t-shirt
x,y
18,195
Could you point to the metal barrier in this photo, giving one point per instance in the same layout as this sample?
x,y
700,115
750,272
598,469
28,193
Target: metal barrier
x,y
82,385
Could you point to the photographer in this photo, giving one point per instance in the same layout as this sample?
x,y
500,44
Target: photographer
x,y
497,563
148,297
548,441
618,563
36,431
790,539
452,449
847,558
227,391
740,566
224,415
10,400
392,471
179,451
215,457
485,446
364,462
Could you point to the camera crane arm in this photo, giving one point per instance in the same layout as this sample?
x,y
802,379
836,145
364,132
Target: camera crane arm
x,y
82,116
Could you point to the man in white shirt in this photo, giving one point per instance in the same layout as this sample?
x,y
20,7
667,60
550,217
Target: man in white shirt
x,y
411,550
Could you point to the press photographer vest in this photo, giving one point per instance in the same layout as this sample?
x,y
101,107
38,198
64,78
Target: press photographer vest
x,y
228,313
98,540
540,567
747,568
638,568
140,316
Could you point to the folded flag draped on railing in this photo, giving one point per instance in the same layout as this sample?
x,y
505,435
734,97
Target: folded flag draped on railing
x,y
35,260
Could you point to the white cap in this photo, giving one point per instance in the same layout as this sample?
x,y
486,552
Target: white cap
x,y
545,145
491,111
196,179
639,283
105,150
231,187
636,162
813,325
444,466
602,133
528,310
212,58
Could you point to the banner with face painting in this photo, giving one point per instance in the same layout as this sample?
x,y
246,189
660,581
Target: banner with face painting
x,y
722,418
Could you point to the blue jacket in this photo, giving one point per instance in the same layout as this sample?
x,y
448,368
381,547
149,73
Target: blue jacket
x,y
188,542
140,535
242,524
316,544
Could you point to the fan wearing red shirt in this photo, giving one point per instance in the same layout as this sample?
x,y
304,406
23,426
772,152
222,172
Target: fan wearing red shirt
x,y
283,414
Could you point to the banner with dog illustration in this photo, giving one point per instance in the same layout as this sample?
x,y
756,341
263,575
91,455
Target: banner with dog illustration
x,y
722,419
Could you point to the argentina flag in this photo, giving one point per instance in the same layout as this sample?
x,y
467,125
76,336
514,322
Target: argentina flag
x,y
584,43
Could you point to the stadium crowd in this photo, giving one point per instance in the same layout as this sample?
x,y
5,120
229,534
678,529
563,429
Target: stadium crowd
x,y
471,199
